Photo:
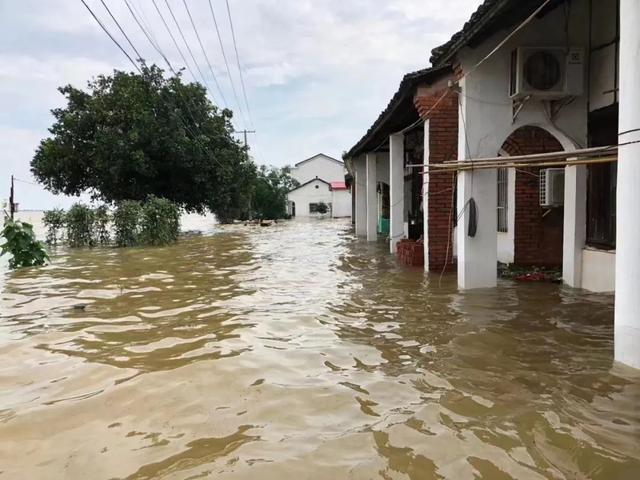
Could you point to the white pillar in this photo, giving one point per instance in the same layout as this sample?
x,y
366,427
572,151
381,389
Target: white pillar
x,y
425,197
627,308
396,189
575,223
361,196
372,198
478,255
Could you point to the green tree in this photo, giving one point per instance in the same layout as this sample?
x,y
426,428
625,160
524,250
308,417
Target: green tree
x,y
80,221
271,188
133,135
55,221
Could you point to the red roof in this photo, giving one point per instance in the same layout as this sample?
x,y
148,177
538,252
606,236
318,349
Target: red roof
x,y
338,186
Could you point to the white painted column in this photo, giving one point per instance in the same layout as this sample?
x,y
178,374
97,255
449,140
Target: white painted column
x,y
372,198
425,197
396,189
361,196
575,223
627,307
478,255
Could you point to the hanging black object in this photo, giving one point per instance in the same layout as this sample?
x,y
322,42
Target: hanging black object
x,y
473,218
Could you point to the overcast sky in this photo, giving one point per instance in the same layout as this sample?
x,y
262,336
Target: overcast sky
x,y
317,72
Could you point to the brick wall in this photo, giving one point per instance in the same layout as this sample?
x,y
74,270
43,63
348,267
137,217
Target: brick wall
x,y
443,146
538,237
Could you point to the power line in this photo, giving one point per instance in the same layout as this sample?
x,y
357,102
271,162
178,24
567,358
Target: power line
x,y
204,52
175,43
204,81
156,46
235,47
226,64
177,113
111,36
121,30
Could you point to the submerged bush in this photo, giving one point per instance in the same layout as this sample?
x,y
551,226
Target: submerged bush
x,y
21,243
126,220
160,222
80,219
54,220
101,225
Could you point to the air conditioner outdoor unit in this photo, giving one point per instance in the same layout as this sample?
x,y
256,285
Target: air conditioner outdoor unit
x,y
552,187
546,72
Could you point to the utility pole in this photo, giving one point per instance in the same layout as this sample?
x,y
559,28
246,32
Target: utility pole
x,y
244,132
12,205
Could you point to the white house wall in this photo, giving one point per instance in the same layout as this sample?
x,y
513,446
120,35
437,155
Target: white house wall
x,y
307,194
598,270
486,121
319,166
340,204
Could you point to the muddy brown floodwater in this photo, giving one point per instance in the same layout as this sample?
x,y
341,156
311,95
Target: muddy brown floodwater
x,y
297,352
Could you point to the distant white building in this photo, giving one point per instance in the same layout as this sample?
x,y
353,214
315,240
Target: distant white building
x,y
321,180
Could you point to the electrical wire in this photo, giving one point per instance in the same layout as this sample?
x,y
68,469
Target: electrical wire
x,y
235,47
204,52
184,40
121,29
175,42
111,36
226,64
164,57
178,115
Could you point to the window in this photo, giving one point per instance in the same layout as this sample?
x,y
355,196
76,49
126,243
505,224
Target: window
x,y
601,205
601,183
503,199
313,208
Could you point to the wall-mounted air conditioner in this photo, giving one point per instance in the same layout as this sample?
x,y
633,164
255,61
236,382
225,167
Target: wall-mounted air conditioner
x,y
552,187
546,72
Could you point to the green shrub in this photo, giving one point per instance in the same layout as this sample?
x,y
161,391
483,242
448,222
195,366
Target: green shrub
x,y
101,225
126,223
21,243
160,222
80,220
54,220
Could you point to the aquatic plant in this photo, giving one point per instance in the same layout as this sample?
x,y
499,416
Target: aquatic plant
x,y
101,225
21,244
54,220
80,223
126,223
160,221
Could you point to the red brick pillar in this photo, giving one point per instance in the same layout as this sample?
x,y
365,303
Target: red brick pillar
x,y
442,114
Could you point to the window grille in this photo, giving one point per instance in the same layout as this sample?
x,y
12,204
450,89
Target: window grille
x,y
503,199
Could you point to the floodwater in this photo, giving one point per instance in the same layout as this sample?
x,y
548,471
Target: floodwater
x,y
297,352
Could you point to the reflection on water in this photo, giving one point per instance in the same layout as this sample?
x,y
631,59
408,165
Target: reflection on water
x,y
298,352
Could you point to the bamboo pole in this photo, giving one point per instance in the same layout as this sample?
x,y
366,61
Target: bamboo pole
x,y
584,152
486,166
587,152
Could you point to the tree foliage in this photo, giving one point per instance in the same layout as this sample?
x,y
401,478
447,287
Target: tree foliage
x,y
133,135
126,223
55,221
80,226
20,242
160,222
271,189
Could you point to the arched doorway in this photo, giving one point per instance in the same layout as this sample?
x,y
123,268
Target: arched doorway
x,y
538,230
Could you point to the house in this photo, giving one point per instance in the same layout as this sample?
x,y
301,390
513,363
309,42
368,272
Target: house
x,y
418,124
321,180
548,143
